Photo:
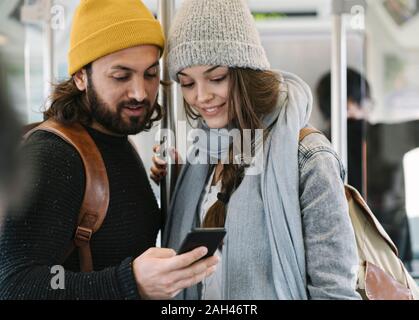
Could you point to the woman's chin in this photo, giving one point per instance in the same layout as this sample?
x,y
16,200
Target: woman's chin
x,y
216,123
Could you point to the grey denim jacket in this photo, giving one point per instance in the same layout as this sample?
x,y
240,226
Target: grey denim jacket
x,y
329,239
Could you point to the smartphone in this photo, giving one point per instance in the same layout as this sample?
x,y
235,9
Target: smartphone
x,y
207,237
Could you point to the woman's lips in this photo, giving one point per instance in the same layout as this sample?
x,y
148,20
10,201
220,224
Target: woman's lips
x,y
212,111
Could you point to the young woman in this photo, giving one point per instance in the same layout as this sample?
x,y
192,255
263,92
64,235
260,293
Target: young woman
x,y
288,231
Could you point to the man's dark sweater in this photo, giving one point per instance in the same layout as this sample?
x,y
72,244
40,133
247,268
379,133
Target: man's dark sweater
x,y
36,235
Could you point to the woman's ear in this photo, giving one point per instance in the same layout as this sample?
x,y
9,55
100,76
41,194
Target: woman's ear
x,y
80,79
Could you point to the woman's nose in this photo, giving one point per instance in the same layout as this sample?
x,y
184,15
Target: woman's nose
x,y
204,95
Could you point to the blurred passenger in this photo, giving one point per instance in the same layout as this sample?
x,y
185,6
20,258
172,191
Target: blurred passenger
x,y
387,145
288,230
358,95
112,91
384,176
9,138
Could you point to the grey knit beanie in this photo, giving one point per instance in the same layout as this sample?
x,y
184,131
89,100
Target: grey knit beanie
x,y
214,32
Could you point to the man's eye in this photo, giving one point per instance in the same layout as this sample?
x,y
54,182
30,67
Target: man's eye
x,y
151,75
121,79
152,72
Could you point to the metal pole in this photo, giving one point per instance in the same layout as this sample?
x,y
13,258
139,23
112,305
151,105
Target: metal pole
x,y
27,55
39,12
338,74
48,61
339,83
166,10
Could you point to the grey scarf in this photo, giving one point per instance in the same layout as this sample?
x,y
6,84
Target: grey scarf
x,y
280,193
216,145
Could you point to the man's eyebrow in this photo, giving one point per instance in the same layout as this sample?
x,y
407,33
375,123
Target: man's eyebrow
x,y
121,67
125,68
155,64
206,72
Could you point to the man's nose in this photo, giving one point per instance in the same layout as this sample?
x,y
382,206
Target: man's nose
x,y
137,90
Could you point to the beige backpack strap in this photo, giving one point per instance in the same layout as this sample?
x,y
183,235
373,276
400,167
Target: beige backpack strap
x,y
352,193
304,132
96,195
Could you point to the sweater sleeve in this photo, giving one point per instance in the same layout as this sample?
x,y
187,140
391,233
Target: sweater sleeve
x,y
331,254
37,232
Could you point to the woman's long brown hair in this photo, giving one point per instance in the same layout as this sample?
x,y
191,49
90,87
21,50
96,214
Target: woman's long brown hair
x,y
252,94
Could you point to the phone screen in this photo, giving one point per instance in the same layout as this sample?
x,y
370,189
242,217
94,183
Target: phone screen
x,y
207,237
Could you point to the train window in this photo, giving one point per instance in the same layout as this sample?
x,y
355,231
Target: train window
x,y
411,173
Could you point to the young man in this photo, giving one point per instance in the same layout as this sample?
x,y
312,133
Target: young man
x,y
386,195
358,93
114,66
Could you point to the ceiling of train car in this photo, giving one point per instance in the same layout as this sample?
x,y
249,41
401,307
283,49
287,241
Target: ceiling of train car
x,y
12,30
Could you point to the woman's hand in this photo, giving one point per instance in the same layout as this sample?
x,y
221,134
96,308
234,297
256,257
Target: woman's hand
x,y
159,168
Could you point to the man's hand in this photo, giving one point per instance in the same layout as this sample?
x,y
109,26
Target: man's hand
x,y
161,274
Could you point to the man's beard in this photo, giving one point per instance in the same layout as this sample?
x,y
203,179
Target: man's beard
x,y
113,121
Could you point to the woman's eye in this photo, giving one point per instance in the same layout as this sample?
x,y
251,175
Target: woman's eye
x,y
219,79
187,85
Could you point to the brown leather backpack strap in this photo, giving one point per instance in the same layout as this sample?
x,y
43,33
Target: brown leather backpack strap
x,y
96,195
29,128
304,132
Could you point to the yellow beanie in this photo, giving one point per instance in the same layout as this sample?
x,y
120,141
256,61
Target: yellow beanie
x,y
101,27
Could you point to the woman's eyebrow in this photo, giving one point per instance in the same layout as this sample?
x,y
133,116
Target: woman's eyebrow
x,y
211,69
205,72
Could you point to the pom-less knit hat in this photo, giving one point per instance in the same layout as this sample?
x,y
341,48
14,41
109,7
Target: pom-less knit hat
x,y
102,27
215,32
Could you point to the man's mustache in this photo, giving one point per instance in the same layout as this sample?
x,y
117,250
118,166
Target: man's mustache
x,y
134,104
